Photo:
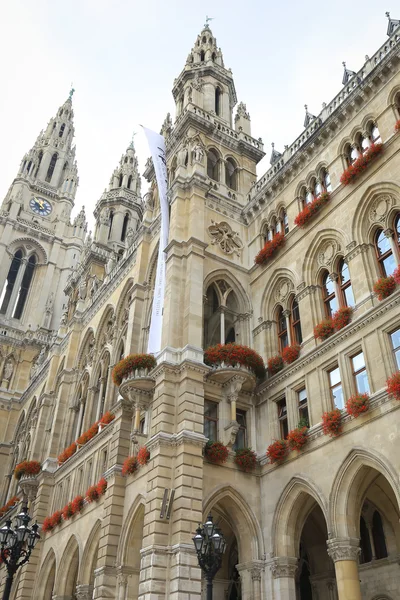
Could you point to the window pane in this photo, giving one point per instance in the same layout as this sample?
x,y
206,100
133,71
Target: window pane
x,y
358,362
397,355
383,244
302,395
362,382
329,286
389,264
210,430
337,395
344,273
334,376
210,409
333,305
349,296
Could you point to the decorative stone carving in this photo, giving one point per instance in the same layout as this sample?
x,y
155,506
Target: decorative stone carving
x,y
327,253
284,567
343,548
283,290
197,83
8,370
130,234
198,152
227,239
242,112
84,592
380,208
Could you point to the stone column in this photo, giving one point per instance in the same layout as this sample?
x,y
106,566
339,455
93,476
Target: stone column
x,y
231,393
250,577
309,311
362,273
344,553
84,592
286,314
283,571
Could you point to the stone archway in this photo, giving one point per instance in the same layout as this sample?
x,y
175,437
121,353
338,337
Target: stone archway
x,y
129,556
67,577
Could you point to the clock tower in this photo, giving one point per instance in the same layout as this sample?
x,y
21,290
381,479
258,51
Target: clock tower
x,y
39,245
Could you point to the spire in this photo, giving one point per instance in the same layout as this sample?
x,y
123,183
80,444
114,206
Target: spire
x,y
205,48
308,117
275,155
347,75
126,175
51,161
392,24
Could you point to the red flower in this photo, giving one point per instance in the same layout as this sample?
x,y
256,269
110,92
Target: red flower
x,y
67,453
27,467
101,486
234,354
77,504
68,511
128,365
107,418
143,456
297,438
291,353
277,451
56,518
92,494
275,364
324,329
397,126
246,459
342,317
216,452
269,249
332,422
311,209
357,405
362,162
130,466
393,385
396,275
47,524
384,287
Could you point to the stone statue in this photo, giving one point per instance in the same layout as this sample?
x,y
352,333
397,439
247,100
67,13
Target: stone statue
x,y
64,319
198,153
105,217
94,285
50,302
183,155
130,234
82,290
111,263
8,370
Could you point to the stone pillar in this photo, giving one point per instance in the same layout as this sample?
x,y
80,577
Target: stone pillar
x,y
309,312
344,553
231,393
284,571
362,273
84,592
250,577
286,314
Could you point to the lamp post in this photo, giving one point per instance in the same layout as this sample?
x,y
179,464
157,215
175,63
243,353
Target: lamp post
x,y
210,546
17,545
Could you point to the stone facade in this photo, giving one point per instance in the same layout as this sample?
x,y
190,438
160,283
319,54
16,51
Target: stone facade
x,y
324,523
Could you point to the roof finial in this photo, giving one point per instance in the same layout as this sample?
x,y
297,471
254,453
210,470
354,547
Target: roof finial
x,y
388,15
344,64
71,92
132,145
207,20
306,107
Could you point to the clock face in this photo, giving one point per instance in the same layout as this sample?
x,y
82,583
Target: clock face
x,y
40,206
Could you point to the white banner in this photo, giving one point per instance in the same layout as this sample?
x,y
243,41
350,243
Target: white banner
x,y
157,149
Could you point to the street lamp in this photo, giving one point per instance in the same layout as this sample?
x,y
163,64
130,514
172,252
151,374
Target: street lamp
x,y
16,545
210,546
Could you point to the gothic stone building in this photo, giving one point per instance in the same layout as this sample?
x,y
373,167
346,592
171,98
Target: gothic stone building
x,y
324,523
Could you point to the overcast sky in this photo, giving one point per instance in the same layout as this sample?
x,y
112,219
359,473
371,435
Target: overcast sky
x,y
123,55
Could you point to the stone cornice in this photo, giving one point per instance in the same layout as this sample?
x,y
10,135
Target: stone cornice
x,y
176,439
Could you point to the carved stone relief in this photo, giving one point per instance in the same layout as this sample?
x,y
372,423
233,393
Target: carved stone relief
x,y
380,208
327,253
227,239
283,290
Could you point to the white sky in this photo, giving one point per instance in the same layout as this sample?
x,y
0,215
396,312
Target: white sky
x,y
123,56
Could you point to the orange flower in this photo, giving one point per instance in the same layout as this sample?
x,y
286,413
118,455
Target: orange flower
x,y
393,385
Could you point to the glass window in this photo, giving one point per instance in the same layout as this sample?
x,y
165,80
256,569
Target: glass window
x,y
375,135
317,189
360,373
285,222
309,197
303,406
329,294
296,325
345,284
10,281
211,420
395,337
327,182
386,260
241,437
282,330
282,417
365,542
335,384
365,144
354,154
378,535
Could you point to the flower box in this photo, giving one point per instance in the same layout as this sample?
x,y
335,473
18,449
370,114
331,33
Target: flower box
x,y
397,126
324,329
362,162
27,468
357,405
101,486
127,366
311,209
246,459
130,466
143,456
332,423
396,275
92,494
393,385
269,249
77,504
47,525
297,438
68,511
277,451
384,287
8,505
342,317
85,437
291,353
233,355
216,452
275,364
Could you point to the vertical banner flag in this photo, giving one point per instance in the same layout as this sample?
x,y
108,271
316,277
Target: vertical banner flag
x,y
157,148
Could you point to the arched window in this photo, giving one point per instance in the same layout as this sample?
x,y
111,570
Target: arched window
x,y
110,222
375,134
329,295
40,156
378,536
213,56
230,174
308,196
29,167
282,330
212,165
285,222
384,253
346,290
202,56
317,188
327,181
129,181
51,168
397,105
126,159
221,312
10,281
61,132
295,321
24,289
365,542
276,227
124,227
397,229
354,154
218,95
365,143
121,177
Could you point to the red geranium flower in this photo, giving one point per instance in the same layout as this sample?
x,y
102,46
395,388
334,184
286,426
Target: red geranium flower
x,y
275,364
68,511
47,525
67,453
332,422
277,451
216,452
56,518
357,405
131,363
246,459
77,504
143,456
342,317
384,287
9,504
27,467
269,249
324,329
92,494
393,385
396,275
362,162
130,466
297,438
101,486
235,354
397,126
311,209
291,353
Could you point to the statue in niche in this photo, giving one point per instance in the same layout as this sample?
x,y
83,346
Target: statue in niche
x,y
8,370
198,152
130,234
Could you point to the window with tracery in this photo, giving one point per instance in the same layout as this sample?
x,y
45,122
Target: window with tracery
x,y
213,165
17,285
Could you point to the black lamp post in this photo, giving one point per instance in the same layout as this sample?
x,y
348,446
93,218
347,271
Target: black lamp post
x,y
17,545
210,546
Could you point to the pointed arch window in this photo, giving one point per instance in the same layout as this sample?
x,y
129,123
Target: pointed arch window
x,y
346,289
378,536
285,222
283,337
365,542
110,222
317,188
61,132
202,56
384,253
124,227
129,182
10,281
40,156
327,181
25,285
397,230
295,322
230,174
329,295
213,165
121,178
51,168
218,95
